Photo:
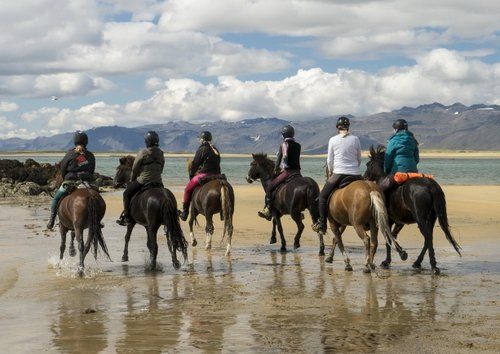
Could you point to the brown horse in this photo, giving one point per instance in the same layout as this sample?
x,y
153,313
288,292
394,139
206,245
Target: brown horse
x,y
361,206
216,196
123,171
299,194
84,208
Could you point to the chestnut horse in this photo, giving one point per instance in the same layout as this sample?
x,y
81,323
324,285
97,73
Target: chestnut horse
x,y
297,195
84,208
212,197
419,200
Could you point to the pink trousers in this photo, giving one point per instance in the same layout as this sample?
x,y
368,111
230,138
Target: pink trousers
x,y
191,186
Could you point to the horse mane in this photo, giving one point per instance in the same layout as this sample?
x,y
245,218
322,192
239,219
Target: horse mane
x,y
377,154
263,161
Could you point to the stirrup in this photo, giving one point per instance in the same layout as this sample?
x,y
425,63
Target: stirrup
x,y
319,226
123,220
266,214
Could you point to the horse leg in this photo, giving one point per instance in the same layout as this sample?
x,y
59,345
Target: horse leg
x,y
296,216
427,231
173,253
130,227
338,230
366,240
62,248
395,231
152,245
209,230
229,236
273,233
373,243
72,251
191,233
81,249
282,235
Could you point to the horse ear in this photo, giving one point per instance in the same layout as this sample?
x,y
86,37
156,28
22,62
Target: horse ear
x,y
372,151
123,160
253,156
381,149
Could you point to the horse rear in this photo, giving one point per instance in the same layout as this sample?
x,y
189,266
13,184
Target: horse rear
x,y
84,208
361,206
213,197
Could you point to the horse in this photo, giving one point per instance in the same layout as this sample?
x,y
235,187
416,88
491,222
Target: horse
x,y
152,208
123,171
83,208
295,196
212,197
360,205
419,200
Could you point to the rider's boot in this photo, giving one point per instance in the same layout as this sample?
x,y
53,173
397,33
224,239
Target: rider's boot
x,y
320,225
185,211
52,220
124,219
266,212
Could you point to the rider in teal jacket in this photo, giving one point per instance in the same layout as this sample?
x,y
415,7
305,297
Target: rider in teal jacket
x,y
401,154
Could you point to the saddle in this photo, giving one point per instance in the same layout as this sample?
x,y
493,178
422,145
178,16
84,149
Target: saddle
x,y
209,178
347,181
282,184
149,185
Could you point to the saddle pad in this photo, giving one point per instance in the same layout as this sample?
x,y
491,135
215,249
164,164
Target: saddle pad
x,y
211,178
402,177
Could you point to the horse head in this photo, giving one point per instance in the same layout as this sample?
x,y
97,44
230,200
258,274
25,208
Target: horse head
x,y
375,165
260,167
123,171
189,163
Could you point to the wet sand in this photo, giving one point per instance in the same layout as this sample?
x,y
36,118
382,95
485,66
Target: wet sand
x,y
256,300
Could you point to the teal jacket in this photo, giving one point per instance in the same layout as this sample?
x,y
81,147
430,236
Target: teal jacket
x,y
401,154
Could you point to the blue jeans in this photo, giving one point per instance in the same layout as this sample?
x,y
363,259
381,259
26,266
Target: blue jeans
x,y
61,192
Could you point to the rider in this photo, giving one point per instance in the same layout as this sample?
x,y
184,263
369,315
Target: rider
x,y
344,158
77,164
401,154
147,168
206,162
287,164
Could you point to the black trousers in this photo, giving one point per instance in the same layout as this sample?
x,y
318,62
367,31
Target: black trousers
x,y
130,191
332,183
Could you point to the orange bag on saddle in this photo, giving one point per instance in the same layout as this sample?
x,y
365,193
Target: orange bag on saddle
x,y
402,177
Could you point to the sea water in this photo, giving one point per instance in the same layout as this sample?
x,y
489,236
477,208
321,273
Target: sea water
x,y
458,171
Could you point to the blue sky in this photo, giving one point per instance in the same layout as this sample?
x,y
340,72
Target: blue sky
x,y
130,62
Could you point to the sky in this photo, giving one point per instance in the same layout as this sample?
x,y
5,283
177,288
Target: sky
x,y
68,65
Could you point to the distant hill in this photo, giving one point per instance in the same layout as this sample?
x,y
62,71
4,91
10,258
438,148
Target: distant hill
x,y
436,126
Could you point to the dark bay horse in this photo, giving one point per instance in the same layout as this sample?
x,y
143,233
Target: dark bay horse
x,y
420,201
84,208
152,208
123,171
216,196
299,194
361,206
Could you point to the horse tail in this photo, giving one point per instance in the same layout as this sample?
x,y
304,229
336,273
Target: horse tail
x,y
312,195
173,226
379,212
95,233
227,209
439,202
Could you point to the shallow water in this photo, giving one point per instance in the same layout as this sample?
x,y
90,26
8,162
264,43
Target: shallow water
x,y
257,300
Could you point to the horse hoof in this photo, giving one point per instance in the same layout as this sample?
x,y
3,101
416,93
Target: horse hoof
x,y
283,249
436,271
125,259
194,243
176,264
296,245
207,247
417,266
372,266
403,255
80,271
72,252
385,265
272,240
348,268
366,270
321,253
329,259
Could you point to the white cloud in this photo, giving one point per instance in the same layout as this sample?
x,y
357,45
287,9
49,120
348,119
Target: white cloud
x,y
8,106
440,75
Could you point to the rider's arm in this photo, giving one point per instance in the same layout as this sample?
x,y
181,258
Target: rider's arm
x,y
330,157
417,154
197,161
358,143
279,157
136,167
389,157
65,162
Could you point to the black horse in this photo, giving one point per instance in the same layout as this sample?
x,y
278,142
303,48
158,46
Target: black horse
x,y
298,194
419,200
152,208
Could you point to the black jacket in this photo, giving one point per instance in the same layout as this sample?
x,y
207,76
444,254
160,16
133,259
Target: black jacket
x,y
206,160
292,159
78,166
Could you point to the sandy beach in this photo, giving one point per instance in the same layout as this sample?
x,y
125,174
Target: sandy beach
x,y
258,299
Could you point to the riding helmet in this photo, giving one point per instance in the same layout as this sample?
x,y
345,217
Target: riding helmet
x,y
151,139
206,136
80,138
343,123
288,131
400,124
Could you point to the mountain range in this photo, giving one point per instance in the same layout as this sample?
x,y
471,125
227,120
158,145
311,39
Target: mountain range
x,y
435,126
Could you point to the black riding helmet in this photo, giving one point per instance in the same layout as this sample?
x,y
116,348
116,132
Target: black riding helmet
x,y
80,138
151,139
400,124
343,123
287,131
206,136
